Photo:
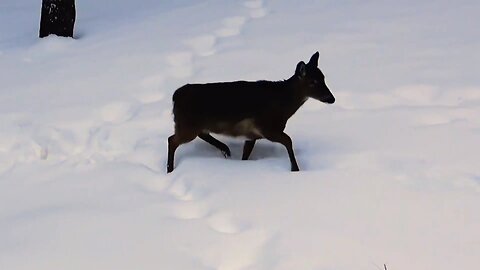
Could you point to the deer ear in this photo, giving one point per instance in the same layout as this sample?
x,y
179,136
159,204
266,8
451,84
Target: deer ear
x,y
314,60
301,70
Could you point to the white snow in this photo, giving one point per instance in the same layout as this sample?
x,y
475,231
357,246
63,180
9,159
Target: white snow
x,y
389,173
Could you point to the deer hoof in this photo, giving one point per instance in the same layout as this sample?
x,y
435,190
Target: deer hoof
x,y
226,153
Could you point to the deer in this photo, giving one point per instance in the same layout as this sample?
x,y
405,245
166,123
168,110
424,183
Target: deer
x,y
251,109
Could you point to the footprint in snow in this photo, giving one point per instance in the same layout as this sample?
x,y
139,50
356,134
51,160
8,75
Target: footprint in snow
x,y
187,206
155,186
190,210
256,7
203,45
151,94
181,64
150,97
182,191
240,251
117,112
224,222
231,26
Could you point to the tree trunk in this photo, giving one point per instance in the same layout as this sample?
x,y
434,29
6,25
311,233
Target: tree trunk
x,y
58,17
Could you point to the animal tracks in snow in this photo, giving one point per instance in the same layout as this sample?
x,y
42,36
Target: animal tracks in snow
x,y
190,210
185,192
192,204
104,139
123,133
180,64
231,26
152,93
117,112
186,200
203,45
235,252
237,244
257,9
224,222
150,97
190,201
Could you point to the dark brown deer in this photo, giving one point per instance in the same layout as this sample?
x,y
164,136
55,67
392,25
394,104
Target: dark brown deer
x,y
255,110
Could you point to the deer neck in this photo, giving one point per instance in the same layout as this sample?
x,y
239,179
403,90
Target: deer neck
x,y
297,95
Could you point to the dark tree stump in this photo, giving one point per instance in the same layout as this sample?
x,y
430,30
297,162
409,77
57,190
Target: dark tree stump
x,y
58,17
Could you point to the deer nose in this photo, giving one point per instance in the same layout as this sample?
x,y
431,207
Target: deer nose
x,y
330,100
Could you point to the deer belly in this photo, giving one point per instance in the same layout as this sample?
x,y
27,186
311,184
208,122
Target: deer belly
x,y
246,128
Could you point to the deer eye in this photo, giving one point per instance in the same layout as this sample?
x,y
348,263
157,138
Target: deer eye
x,y
313,83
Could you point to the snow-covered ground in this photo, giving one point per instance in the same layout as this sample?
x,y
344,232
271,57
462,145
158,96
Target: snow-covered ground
x,y
390,172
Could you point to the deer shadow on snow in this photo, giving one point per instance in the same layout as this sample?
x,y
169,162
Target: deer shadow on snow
x,y
255,110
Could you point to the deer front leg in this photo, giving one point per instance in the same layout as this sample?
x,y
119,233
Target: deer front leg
x,y
283,138
172,146
247,149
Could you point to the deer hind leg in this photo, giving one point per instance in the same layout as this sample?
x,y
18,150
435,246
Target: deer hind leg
x,y
218,144
174,142
247,149
283,138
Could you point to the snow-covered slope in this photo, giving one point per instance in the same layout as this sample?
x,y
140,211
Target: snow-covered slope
x,y
390,172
